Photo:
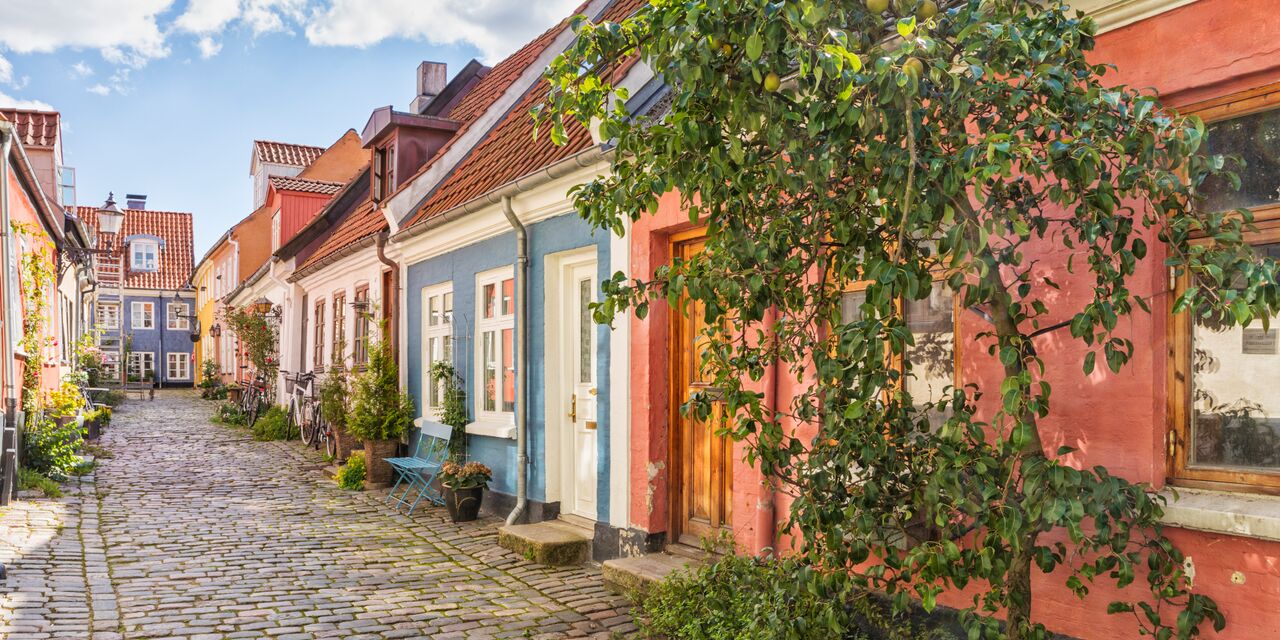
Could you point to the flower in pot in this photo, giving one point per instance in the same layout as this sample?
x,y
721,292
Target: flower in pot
x,y
464,486
380,414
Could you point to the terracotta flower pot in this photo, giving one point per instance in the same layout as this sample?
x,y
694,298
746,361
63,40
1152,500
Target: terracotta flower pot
x,y
463,504
377,472
346,444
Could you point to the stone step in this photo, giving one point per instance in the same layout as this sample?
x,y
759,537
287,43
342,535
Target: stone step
x,y
551,543
636,574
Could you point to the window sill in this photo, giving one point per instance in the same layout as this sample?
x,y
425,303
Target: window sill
x,y
1237,514
505,430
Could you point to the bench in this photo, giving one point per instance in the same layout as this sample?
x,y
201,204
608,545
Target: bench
x,y
419,470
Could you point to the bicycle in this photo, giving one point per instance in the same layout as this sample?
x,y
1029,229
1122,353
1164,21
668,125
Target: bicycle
x,y
305,414
255,395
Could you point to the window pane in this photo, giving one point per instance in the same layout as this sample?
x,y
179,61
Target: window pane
x,y
851,306
490,391
932,358
1256,139
508,296
447,316
508,373
584,331
490,293
1235,409
433,356
433,310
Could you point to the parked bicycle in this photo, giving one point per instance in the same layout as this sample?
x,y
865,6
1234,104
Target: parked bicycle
x,y
256,396
304,414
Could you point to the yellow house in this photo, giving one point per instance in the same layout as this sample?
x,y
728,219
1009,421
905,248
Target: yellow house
x,y
208,280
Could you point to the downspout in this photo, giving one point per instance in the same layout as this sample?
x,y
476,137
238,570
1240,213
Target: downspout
x,y
380,241
766,520
522,395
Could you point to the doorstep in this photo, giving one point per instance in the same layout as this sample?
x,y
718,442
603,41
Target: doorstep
x,y
552,542
638,573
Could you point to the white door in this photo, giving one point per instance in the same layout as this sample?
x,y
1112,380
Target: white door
x,y
579,375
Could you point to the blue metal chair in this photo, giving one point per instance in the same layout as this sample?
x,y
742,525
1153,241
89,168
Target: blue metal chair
x,y
419,470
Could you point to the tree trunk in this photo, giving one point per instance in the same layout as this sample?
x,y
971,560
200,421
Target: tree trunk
x,y
1018,587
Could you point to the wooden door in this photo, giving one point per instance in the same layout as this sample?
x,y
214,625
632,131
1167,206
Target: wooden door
x,y
703,461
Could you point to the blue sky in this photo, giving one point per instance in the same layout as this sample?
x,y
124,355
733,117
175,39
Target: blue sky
x,y
164,97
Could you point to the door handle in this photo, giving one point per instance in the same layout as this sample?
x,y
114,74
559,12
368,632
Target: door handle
x,y
590,425
573,407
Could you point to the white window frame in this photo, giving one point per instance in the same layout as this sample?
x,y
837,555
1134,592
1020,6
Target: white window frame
x,y
496,324
102,316
141,367
183,360
172,322
435,340
148,317
134,252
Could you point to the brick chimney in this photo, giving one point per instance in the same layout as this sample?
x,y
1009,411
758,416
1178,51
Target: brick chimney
x,y
135,201
432,78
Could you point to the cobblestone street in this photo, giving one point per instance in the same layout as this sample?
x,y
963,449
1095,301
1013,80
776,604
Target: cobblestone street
x,y
195,531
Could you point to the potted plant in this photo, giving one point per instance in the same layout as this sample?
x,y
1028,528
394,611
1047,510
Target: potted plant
x,y
464,486
380,413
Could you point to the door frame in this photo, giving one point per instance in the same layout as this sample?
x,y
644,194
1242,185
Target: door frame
x,y
675,398
558,379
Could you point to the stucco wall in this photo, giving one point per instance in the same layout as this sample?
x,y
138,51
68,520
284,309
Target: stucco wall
x,y
161,340
554,235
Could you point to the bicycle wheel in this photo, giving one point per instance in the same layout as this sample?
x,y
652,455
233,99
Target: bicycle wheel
x,y
330,443
309,425
253,411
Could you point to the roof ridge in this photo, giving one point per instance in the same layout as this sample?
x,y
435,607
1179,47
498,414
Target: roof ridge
x,y
291,144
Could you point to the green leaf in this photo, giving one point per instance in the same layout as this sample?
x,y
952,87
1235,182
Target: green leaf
x,y
755,46
906,26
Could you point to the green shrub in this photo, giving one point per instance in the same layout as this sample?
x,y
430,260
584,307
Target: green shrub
x,y
351,475
49,448
745,597
335,393
379,410
30,479
229,414
273,425
112,398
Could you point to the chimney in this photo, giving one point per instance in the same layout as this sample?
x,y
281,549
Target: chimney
x,y
135,201
432,78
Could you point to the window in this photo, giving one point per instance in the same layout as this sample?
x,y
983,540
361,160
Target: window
x,y
932,322
495,326
317,356
339,352
176,313
142,365
67,186
108,315
145,255
437,339
111,371
384,172
360,351
179,366
143,315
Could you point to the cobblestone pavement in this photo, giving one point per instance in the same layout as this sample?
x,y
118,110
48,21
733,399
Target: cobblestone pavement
x,y
195,531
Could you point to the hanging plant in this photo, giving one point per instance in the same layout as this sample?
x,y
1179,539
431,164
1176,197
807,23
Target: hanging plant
x,y
453,406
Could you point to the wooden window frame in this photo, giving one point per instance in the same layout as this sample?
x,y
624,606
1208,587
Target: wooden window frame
x,y
1178,430
360,333
133,314
498,323
177,358
439,331
338,353
317,349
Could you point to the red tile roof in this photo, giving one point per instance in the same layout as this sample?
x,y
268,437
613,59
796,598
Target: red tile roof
x,y
366,220
303,185
297,155
509,150
177,255
359,225
34,128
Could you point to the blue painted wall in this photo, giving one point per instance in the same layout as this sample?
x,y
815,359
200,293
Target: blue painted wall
x,y
160,340
561,233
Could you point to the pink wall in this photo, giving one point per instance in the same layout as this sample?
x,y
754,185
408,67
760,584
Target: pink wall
x,y
1207,49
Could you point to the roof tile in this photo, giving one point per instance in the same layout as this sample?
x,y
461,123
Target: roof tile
x,y
176,258
297,155
34,128
303,185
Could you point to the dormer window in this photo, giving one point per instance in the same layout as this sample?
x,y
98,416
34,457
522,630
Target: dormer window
x,y
145,255
384,172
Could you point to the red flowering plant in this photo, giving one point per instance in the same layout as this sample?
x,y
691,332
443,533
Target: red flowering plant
x,y
465,476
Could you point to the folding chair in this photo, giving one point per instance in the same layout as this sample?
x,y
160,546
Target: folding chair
x,y
419,470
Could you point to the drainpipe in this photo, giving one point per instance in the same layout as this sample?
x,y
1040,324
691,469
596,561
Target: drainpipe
x,y
522,381
766,521
8,306
380,241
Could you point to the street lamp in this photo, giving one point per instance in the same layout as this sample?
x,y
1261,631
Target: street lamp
x,y
110,220
110,217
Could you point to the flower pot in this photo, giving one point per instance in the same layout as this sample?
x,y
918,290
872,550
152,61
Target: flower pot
x,y
463,504
93,429
377,471
346,444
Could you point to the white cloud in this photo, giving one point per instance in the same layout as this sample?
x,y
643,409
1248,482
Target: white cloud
x,y
81,70
496,27
6,71
208,16
208,47
10,102
123,29
100,89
